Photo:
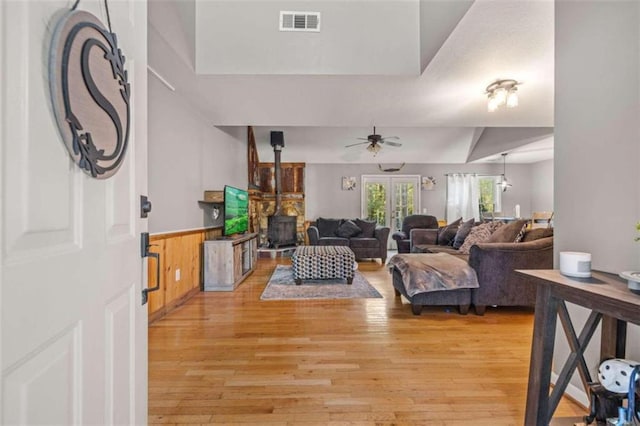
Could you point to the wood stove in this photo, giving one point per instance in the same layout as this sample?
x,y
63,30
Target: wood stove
x,y
281,229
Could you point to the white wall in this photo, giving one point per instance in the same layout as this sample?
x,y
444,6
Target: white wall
x,y
437,20
597,148
325,198
176,22
360,38
542,186
187,155
503,139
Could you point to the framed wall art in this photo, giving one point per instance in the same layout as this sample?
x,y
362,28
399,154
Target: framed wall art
x,y
348,183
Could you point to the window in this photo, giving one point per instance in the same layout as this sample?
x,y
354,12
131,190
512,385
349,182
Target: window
x,y
470,196
490,194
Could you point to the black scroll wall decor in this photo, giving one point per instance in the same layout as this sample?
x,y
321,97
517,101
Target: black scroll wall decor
x,y
90,92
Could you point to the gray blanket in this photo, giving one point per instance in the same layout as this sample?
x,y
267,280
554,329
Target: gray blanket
x,y
424,272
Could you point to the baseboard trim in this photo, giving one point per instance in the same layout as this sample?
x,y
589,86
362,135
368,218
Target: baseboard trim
x,y
173,305
576,394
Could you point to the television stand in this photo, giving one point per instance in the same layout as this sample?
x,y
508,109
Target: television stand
x,y
228,261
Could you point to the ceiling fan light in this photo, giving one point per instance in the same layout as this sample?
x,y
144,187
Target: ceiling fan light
x,y
375,148
374,142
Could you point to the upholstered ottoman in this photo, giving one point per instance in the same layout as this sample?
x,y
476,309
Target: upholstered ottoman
x,y
433,279
460,297
323,262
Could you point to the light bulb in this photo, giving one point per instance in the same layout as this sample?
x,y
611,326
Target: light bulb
x,y
500,96
503,184
492,105
512,98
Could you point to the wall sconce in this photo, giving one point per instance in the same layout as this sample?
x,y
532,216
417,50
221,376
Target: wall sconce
x,y
348,183
428,183
502,92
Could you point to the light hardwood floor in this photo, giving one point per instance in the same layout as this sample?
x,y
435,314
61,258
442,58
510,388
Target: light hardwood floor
x,y
229,358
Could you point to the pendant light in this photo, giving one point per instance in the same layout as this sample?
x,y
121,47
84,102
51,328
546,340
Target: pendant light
x,y
504,184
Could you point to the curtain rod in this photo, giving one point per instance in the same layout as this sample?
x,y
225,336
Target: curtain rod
x,y
474,174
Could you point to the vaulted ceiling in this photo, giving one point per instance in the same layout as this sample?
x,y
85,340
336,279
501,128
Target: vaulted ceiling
x,y
416,69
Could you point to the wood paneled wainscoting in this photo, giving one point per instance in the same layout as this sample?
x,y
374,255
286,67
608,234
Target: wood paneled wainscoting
x,y
178,251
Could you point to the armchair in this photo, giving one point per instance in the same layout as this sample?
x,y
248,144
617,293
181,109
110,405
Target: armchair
x,y
414,221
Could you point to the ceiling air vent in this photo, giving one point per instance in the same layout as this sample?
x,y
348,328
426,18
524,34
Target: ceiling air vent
x,y
300,21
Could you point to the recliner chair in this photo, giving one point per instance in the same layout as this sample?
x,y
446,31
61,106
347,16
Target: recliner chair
x,y
410,222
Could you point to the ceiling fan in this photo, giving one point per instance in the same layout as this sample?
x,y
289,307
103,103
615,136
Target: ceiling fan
x,y
376,141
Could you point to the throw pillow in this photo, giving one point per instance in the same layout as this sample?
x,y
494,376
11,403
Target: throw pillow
x,y
368,228
327,227
461,234
447,233
537,233
508,233
348,229
520,235
479,234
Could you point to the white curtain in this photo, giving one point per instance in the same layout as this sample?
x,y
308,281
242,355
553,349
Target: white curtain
x,y
463,197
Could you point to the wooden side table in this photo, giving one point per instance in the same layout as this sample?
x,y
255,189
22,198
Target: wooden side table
x,y
610,302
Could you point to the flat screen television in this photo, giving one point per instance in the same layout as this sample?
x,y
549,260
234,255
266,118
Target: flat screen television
x,y
236,210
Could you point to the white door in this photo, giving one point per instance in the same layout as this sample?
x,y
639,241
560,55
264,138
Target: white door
x,y
389,199
74,331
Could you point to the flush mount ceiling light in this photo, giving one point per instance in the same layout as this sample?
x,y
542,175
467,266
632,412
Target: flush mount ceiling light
x,y
504,184
502,92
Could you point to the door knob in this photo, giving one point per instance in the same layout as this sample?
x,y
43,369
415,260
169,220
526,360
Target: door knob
x,y
145,206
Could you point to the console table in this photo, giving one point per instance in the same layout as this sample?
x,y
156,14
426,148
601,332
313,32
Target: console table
x,y
609,300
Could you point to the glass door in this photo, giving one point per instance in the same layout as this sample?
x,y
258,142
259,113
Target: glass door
x,y
376,198
405,199
389,199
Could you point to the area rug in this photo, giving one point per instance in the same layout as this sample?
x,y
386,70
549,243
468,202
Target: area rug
x,y
281,286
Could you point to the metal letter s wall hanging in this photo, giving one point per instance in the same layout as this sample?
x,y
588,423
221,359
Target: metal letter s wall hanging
x,y
90,92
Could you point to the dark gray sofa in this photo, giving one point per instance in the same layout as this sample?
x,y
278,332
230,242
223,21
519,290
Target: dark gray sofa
x,y
495,264
368,241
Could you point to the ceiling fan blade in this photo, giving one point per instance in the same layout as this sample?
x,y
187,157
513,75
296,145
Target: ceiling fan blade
x,y
391,137
363,139
392,143
354,144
